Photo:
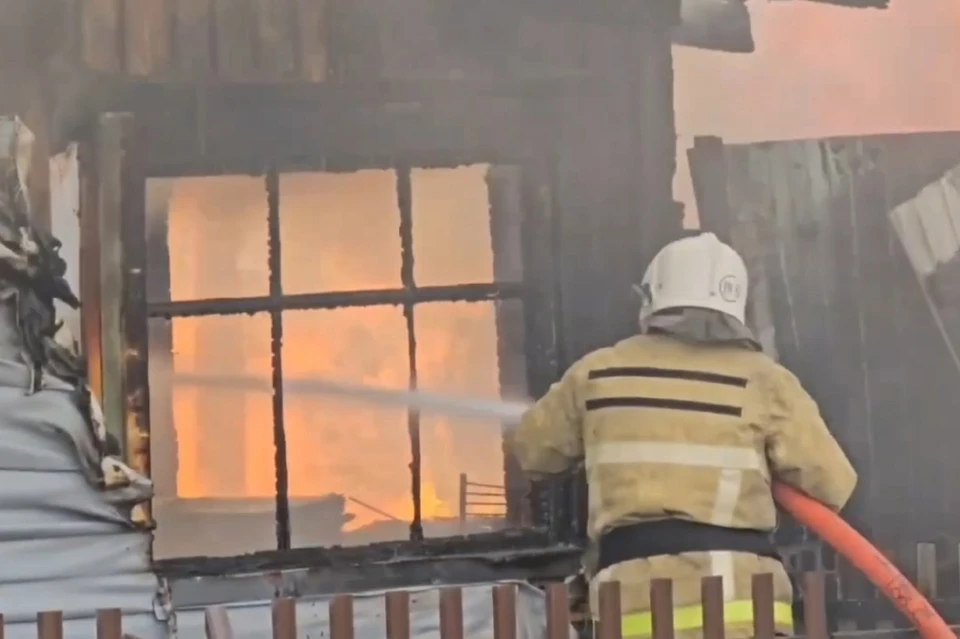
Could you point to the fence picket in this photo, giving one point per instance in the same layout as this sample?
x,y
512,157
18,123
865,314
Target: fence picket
x,y
609,616
398,614
109,624
217,623
815,606
661,608
283,612
711,595
505,612
558,612
341,617
451,613
764,624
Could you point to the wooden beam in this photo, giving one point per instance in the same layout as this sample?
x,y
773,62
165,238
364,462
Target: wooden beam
x,y
37,120
146,37
193,41
314,38
275,24
123,311
90,276
109,206
236,38
101,34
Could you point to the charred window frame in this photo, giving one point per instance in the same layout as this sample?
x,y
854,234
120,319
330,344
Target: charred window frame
x,y
539,355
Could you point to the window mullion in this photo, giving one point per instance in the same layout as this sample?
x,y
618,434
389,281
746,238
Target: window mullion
x,y
276,361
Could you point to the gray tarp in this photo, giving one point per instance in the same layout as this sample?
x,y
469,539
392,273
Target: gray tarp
x,y
63,544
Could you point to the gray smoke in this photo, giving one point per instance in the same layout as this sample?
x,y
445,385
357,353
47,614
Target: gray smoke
x,y
507,412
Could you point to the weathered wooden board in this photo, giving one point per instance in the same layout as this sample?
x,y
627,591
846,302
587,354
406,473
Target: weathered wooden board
x,y
833,232
205,40
147,41
101,32
313,24
275,25
193,38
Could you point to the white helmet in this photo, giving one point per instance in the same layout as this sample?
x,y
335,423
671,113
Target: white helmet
x,y
697,272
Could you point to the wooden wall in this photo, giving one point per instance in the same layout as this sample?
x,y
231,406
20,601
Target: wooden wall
x,y
833,288
313,40
205,39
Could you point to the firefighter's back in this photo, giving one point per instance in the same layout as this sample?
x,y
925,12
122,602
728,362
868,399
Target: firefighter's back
x,y
675,442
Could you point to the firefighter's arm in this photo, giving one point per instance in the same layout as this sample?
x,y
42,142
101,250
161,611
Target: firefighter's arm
x,y
800,448
549,439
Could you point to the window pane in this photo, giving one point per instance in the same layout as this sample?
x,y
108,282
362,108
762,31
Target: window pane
x,y
212,435
451,226
339,231
459,353
347,458
206,237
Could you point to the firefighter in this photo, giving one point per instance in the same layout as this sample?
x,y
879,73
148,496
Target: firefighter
x,y
682,428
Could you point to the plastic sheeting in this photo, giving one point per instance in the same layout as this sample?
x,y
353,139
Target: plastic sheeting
x,y
63,544
252,620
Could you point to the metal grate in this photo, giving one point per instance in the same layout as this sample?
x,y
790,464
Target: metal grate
x,y
477,499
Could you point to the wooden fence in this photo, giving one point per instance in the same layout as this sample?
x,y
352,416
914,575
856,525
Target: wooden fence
x,y
397,617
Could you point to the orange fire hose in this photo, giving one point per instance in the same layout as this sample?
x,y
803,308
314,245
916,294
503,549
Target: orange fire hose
x,y
865,558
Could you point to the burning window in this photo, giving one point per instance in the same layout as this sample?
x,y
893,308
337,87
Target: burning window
x,y
385,278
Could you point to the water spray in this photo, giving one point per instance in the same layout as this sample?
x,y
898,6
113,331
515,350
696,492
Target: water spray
x,y
506,412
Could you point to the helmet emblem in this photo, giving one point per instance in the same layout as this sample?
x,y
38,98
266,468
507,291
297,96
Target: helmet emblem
x,y
645,293
730,289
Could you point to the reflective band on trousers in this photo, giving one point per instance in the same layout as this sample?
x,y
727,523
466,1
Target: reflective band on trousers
x,y
691,617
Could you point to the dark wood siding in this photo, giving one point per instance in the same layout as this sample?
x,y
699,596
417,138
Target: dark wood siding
x,y
847,310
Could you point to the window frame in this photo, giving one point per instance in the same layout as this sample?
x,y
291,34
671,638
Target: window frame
x,y
407,296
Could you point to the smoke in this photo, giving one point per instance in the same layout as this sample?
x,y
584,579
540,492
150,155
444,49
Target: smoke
x,y
820,71
507,412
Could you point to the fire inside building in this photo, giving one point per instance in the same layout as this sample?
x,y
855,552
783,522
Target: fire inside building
x,y
436,195
396,203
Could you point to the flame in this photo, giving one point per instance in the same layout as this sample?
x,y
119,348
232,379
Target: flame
x,y
339,232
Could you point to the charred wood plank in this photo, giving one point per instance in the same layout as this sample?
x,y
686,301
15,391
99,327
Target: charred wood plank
x,y
133,305
147,30
236,38
193,37
90,267
312,39
109,207
102,35
304,301
275,25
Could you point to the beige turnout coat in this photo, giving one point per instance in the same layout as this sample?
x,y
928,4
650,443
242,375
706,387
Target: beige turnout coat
x,y
669,428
